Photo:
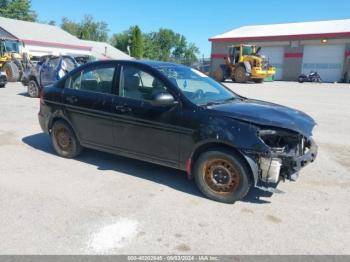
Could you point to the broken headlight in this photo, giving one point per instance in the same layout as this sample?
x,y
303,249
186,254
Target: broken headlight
x,y
282,141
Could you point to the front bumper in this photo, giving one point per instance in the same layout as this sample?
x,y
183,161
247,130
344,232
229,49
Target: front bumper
x,y
302,161
24,81
257,72
281,166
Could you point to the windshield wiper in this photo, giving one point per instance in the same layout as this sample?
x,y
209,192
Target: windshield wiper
x,y
219,102
230,99
212,103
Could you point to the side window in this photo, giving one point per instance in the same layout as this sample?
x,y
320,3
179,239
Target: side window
x,y
53,62
68,64
138,84
99,80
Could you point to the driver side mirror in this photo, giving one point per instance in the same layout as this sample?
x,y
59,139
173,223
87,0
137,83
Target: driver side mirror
x,y
163,99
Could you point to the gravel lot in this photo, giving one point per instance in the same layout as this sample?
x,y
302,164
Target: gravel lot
x,y
104,204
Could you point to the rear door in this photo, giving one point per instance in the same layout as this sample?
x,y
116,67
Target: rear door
x,y
88,100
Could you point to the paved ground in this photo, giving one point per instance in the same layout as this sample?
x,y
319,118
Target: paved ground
x,y
101,203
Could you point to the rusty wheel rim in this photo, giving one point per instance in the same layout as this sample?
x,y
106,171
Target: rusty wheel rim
x,y
221,176
63,139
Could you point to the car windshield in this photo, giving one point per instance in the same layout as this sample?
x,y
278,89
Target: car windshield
x,y
247,50
196,86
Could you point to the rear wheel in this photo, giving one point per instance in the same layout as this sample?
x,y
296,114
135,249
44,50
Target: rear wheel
x,y
219,75
12,72
222,176
64,140
33,89
241,75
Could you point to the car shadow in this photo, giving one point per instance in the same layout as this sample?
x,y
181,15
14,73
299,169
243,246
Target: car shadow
x,y
25,94
172,178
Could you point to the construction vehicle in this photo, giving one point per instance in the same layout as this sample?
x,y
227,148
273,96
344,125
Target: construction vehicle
x,y
243,64
10,59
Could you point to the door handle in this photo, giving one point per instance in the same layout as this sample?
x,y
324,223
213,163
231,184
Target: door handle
x,y
71,99
123,109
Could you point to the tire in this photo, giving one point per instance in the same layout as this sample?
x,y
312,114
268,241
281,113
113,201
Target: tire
x,y
2,85
64,140
301,79
222,176
33,89
219,75
240,75
12,72
19,65
258,81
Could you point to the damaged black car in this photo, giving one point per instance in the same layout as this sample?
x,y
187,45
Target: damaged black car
x,y
176,116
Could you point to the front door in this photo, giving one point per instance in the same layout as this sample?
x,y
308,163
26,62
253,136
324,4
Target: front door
x,y
140,129
88,101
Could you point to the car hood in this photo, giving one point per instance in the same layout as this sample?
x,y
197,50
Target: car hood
x,y
268,114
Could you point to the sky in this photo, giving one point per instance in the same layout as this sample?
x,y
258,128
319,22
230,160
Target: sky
x,y
198,20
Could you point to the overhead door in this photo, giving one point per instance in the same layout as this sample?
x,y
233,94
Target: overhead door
x,y
327,60
275,57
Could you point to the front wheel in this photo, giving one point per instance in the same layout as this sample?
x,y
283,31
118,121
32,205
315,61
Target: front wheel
x,y
64,140
222,176
241,75
33,89
302,79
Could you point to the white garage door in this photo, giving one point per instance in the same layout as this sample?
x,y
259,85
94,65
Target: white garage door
x,y
275,56
327,60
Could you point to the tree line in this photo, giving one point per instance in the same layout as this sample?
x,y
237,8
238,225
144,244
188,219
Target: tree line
x,y
163,45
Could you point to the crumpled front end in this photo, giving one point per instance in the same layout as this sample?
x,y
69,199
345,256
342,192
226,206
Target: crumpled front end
x,y
288,153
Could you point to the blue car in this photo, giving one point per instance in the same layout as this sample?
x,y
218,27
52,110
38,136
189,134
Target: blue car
x,y
46,72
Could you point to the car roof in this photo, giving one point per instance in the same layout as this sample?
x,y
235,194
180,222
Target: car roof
x,y
150,63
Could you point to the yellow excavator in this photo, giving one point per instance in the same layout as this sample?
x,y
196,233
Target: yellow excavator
x,y
10,59
243,64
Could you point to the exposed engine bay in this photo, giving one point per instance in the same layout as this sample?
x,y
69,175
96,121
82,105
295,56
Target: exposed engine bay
x,y
289,152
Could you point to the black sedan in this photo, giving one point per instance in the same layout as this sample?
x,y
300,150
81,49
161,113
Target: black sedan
x,y
176,116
